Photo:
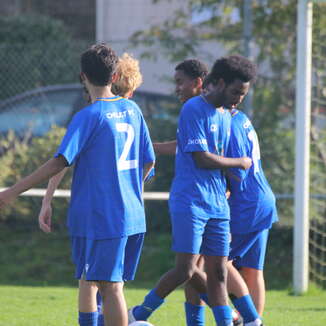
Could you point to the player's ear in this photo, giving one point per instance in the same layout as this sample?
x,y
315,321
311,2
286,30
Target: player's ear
x,y
199,83
114,78
82,77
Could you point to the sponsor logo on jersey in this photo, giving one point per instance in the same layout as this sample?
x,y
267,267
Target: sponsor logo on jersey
x,y
197,141
120,114
213,128
247,124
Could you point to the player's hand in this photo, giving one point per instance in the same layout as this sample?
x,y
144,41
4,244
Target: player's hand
x,y
5,199
44,218
245,163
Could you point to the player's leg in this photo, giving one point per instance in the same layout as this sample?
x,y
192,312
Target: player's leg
x,y
185,268
241,299
256,284
187,237
110,262
251,267
215,248
194,306
87,315
114,303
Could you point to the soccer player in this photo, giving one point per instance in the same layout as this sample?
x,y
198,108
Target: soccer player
x,y
189,82
188,78
198,206
252,207
109,144
128,79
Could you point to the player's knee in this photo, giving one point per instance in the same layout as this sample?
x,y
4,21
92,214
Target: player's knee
x,y
221,274
185,272
110,288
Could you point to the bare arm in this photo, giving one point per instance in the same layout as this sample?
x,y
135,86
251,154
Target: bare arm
x,y
166,148
206,160
45,214
52,186
47,170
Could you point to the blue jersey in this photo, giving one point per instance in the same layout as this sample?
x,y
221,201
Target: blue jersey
x,y
252,202
109,143
200,192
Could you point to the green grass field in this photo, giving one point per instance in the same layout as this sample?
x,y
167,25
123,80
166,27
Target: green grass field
x,y
54,306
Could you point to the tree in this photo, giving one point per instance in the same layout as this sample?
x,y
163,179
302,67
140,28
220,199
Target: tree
x,y
35,51
274,38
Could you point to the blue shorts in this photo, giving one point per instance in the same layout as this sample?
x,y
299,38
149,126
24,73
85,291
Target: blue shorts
x,y
112,260
249,249
196,235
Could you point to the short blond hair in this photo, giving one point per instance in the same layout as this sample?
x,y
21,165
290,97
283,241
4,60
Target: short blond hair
x,y
129,76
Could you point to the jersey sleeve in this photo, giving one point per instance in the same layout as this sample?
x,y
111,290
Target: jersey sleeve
x,y
191,131
237,148
148,154
77,136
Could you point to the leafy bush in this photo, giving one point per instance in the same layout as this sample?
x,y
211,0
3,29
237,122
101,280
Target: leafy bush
x,y
20,158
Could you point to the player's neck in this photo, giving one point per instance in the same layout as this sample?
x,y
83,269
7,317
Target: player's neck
x,y
208,100
100,92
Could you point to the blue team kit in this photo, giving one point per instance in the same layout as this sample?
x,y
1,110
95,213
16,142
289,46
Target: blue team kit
x,y
109,144
252,202
196,193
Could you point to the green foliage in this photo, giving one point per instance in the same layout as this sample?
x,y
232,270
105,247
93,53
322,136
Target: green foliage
x,y
22,157
35,51
44,259
274,43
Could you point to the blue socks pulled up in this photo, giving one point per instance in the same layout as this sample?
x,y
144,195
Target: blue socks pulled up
x,y
151,302
222,315
88,318
195,315
246,308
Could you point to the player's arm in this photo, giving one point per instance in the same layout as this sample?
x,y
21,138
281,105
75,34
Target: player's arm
x,y
165,148
45,214
147,169
207,160
47,170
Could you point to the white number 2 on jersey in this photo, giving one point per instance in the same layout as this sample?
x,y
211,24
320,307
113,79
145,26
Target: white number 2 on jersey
x,y
123,163
255,149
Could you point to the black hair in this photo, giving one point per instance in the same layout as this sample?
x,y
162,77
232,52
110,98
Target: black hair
x,y
99,63
207,80
231,68
193,68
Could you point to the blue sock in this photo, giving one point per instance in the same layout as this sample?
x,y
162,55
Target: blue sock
x,y
222,315
151,302
88,318
204,297
246,308
195,315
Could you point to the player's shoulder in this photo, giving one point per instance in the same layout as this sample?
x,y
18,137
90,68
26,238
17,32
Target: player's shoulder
x,y
85,112
193,106
240,118
132,103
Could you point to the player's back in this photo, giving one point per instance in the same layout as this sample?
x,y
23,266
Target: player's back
x,y
109,144
252,202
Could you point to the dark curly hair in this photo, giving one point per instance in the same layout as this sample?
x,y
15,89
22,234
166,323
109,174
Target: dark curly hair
x,y
193,68
231,68
99,63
